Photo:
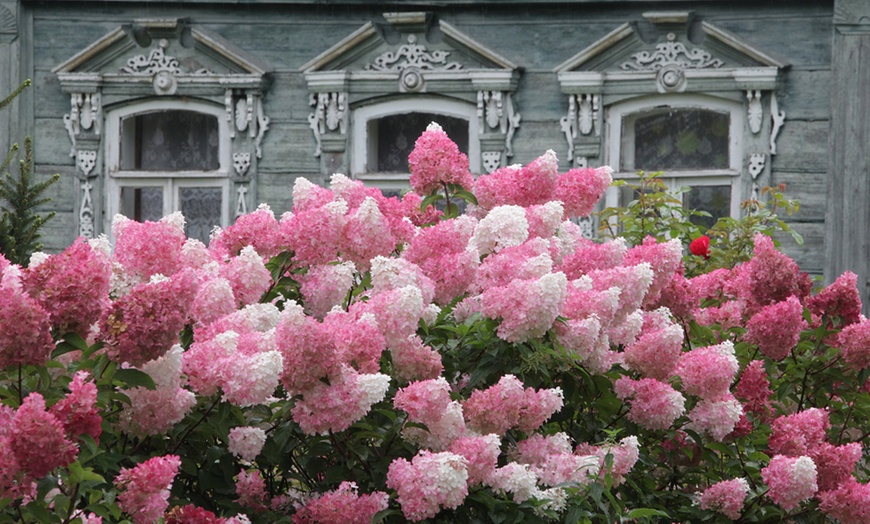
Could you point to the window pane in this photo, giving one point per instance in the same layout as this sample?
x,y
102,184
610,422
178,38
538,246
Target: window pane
x,y
677,139
715,200
201,207
170,141
142,203
396,135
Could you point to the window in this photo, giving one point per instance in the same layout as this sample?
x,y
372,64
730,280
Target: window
x,y
384,135
695,140
170,156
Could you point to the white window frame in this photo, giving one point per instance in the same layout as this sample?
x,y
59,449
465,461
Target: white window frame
x,y
674,180
170,181
362,147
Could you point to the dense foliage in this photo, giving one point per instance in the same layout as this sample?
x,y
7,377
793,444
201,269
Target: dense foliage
x,y
368,358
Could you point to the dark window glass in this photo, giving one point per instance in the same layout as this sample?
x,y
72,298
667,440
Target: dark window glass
x,y
395,136
142,203
669,139
201,207
170,141
715,200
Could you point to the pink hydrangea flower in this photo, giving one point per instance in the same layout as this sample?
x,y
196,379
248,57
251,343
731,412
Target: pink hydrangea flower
x,y
188,514
654,404
708,371
144,489
308,349
247,275
26,334
73,286
366,235
632,281
397,312
665,259
38,440
148,248
214,298
258,229
342,506
679,297
358,340
726,497
840,299
413,360
771,276
754,389
144,324
623,457
315,235
553,462
798,434
251,489
777,327
507,405
326,286
334,407
441,433
544,219
581,188
436,161
502,227
529,260
246,442
77,411
154,412
527,308
716,417
849,503
441,253
307,195
430,482
655,353
481,454
790,480
854,342
835,464
590,256
579,337
425,401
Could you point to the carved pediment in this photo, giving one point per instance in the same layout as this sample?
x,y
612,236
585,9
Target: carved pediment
x,y
161,55
409,52
674,49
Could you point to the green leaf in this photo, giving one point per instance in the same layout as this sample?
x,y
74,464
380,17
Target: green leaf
x,y
640,513
134,378
429,200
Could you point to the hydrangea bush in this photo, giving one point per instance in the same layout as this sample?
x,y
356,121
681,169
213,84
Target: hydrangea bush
x,y
365,358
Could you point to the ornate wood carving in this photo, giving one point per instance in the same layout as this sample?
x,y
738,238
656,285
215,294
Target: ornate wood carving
x,y
242,204
754,113
241,163
329,115
778,120
491,160
86,211
671,53
413,55
86,113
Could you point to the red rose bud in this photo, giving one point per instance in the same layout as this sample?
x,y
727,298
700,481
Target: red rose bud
x,y
701,246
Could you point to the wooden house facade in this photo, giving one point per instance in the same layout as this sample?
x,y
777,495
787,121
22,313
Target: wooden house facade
x,y
211,107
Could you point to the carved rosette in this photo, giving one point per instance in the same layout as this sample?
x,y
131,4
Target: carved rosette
x,y
329,117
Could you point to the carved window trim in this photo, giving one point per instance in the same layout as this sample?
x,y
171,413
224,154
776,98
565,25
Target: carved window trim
x,y
360,140
616,114
117,178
